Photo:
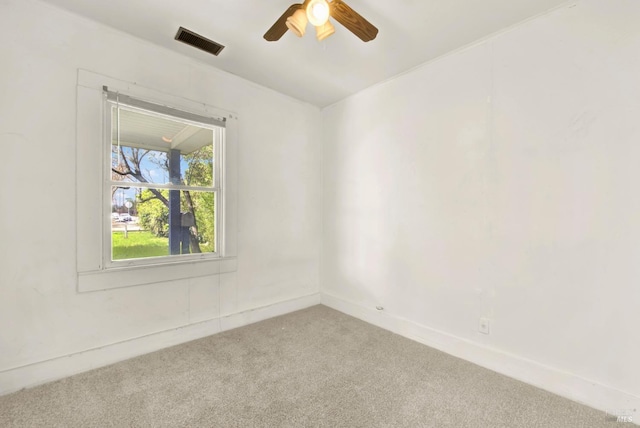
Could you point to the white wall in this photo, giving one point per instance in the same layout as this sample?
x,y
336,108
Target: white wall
x,y
501,181
279,199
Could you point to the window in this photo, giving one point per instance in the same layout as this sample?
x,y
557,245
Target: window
x,y
163,178
158,167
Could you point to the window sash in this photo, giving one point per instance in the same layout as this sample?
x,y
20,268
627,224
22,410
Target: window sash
x,y
167,186
217,147
169,258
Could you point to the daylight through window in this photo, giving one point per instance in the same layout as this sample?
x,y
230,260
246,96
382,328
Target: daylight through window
x,y
163,181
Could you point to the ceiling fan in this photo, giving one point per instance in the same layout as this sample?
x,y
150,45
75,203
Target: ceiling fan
x,y
317,12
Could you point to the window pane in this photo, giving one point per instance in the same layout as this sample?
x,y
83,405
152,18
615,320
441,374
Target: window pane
x,y
146,148
159,222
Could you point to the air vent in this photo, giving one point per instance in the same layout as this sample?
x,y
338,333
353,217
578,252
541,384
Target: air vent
x,y
197,41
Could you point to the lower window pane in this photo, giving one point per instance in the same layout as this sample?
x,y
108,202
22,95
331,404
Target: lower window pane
x,y
160,223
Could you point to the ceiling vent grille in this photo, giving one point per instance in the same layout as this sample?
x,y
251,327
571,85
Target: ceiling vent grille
x,y
197,41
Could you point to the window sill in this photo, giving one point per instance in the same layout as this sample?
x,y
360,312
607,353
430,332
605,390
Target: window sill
x,y
130,276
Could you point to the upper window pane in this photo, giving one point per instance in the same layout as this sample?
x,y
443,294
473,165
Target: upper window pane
x,y
149,148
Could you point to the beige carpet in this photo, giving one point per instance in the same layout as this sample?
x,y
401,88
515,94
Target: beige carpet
x,y
312,368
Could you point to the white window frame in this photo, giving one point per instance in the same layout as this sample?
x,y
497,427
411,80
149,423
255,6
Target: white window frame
x,y
217,188
96,270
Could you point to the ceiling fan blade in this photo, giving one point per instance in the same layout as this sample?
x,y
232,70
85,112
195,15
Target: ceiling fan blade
x,y
278,29
355,23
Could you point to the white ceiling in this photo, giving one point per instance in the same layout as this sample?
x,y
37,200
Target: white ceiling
x,y
411,32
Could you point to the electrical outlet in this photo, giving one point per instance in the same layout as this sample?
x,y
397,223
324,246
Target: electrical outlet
x,y
483,326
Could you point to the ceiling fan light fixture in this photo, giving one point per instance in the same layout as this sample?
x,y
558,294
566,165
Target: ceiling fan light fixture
x,y
298,15
324,31
297,22
318,12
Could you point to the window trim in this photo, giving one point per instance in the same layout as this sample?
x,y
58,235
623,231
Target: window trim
x,y
93,273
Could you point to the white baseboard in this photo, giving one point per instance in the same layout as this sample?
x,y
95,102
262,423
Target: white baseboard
x,y
568,385
57,368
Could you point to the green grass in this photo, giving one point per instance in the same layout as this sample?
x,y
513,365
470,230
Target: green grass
x,y
138,244
141,244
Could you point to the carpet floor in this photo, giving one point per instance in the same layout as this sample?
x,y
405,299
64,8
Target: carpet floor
x,y
312,368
